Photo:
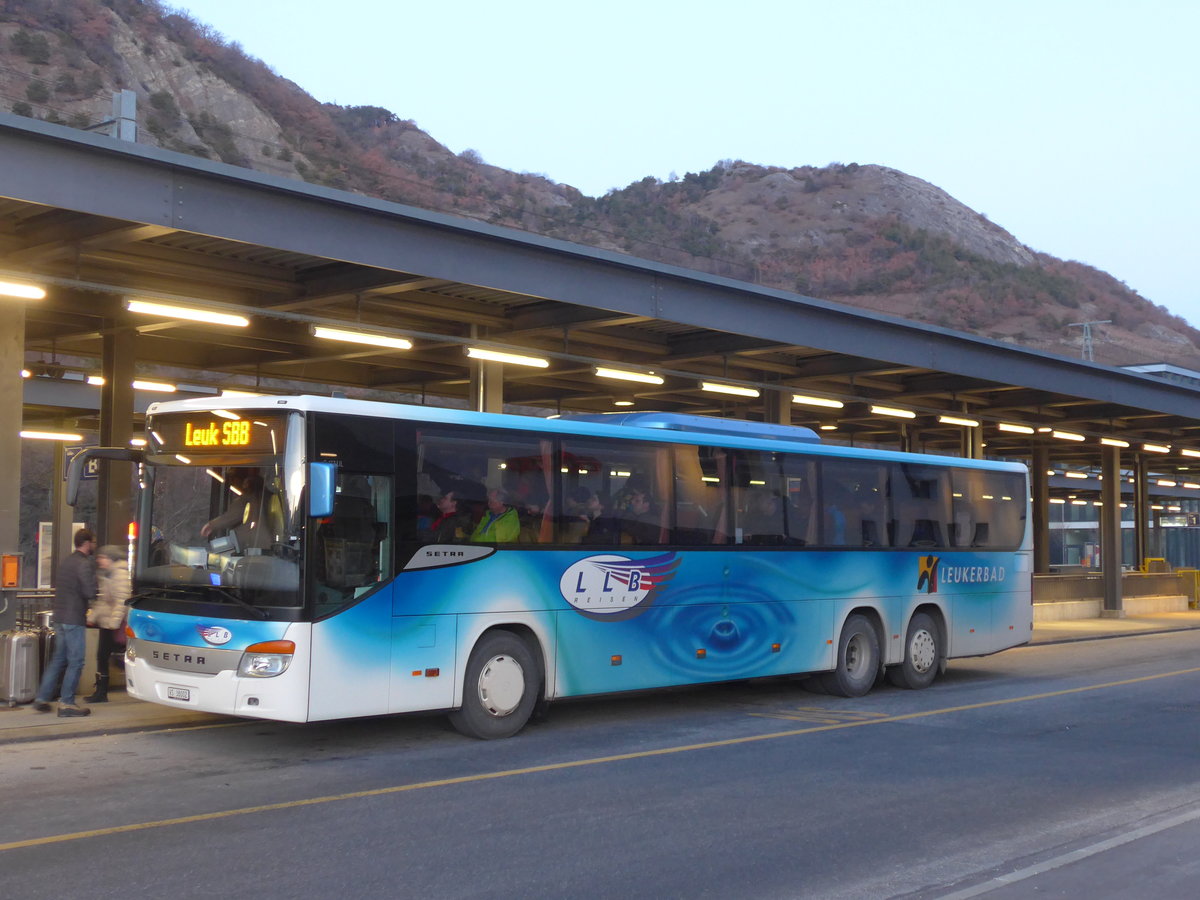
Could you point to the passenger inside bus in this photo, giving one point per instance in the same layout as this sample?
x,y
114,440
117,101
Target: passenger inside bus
x,y
500,522
641,521
762,521
452,524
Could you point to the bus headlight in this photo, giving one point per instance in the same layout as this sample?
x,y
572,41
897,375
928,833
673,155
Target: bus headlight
x,y
266,659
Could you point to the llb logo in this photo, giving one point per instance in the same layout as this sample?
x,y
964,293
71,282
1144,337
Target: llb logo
x,y
927,574
616,587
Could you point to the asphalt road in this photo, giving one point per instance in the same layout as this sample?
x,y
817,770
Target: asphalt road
x,y
1063,770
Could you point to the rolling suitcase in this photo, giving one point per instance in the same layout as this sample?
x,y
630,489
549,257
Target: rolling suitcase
x,y
20,665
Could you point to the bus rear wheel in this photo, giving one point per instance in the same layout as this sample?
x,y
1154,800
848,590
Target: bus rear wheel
x,y
922,654
500,688
857,660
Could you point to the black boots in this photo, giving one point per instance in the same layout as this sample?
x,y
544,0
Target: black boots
x,y
101,693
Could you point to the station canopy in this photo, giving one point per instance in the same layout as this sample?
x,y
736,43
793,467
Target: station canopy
x,y
98,223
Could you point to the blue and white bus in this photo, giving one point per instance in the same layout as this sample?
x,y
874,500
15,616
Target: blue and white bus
x,y
309,558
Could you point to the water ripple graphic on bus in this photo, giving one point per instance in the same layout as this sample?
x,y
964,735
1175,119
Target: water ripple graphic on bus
x,y
735,638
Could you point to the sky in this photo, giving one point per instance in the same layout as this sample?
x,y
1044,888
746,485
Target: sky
x,y
1073,124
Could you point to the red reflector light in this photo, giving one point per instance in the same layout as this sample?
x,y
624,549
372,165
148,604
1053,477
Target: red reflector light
x,y
616,660
286,647
700,654
774,648
129,632
432,673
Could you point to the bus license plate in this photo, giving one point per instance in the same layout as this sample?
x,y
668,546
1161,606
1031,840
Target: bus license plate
x,y
178,694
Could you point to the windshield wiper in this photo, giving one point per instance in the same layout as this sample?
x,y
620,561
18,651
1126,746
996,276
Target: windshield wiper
x,y
198,593
239,601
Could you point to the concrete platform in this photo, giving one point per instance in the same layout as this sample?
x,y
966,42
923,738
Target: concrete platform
x,y
123,715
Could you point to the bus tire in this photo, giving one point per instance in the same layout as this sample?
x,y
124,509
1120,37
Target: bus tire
x,y
500,688
922,654
857,660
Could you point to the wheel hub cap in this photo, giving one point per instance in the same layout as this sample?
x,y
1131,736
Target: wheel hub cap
x,y
501,685
922,651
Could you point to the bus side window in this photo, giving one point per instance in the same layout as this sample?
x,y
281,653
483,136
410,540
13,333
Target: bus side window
x,y
701,507
854,497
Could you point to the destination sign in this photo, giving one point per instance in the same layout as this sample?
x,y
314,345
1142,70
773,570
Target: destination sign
x,y
208,432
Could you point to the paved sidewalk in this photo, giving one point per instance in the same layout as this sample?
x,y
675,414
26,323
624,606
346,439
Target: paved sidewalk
x,y
123,714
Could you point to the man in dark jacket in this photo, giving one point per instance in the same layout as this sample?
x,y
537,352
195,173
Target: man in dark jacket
x,y
74,591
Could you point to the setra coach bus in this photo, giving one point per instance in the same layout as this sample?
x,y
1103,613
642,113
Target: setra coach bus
x,y
310,558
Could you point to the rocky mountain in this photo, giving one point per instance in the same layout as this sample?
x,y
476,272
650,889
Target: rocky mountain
x,y
864,235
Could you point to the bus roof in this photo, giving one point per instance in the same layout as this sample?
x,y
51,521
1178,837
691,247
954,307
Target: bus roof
x,y
731,433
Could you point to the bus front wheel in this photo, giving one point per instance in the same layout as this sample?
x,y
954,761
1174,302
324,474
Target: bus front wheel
x,y
500,689
922,654
857,660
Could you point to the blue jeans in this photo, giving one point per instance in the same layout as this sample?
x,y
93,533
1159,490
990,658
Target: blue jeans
x,y
69,648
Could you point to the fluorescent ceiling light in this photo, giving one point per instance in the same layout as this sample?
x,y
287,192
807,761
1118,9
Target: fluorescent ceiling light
x,y
827,426
1014,428
1058,501
956,420
1191,485
51,436
622,403
1186,452
1066,435
1156,448
1165,482
21,291
171,311
1114,442
1076,474
514,358
718,388
361,337
95,380
137,442
806,400
893,411
161,386
622,375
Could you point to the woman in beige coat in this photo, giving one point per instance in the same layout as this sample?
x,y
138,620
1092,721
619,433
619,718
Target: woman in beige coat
x,y
108,612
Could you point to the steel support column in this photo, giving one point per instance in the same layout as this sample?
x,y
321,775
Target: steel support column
x,y
778,407
1141,509
1041,509
114,496
12,359
1110,533
487,386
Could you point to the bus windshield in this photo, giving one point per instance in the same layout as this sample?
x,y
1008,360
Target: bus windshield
x,y
227,533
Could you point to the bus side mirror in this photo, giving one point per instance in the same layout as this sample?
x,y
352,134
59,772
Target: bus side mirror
x,y
321,479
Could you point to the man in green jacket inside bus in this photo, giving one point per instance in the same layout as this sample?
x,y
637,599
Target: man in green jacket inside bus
x,y
500,522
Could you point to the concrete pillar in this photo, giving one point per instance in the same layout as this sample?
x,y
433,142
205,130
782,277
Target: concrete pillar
x,y
487,386
12,399
114,499
1040,483
1110,532
778,407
